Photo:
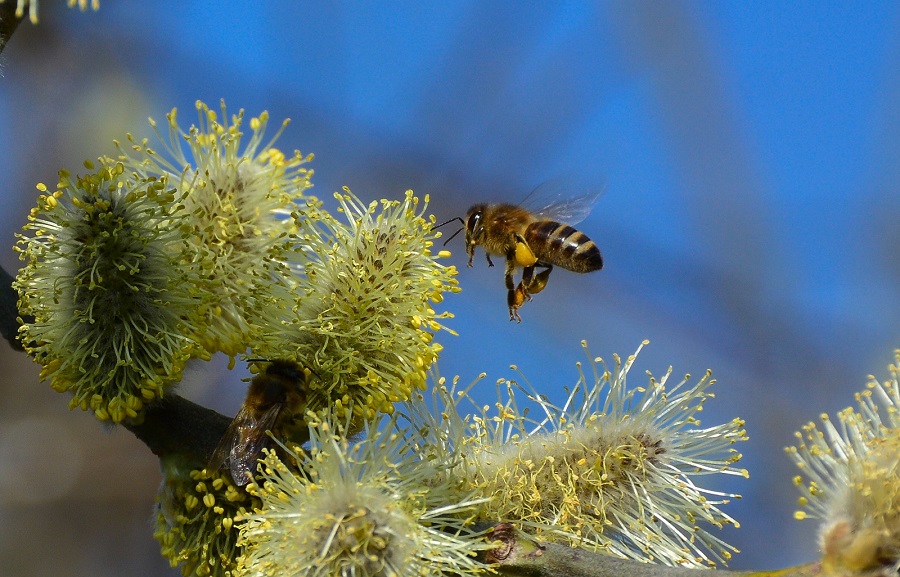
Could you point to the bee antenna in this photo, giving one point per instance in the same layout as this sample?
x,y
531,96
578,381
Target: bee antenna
x,y
451,220
259,360
452,236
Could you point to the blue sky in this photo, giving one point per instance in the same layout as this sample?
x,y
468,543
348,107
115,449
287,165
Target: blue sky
x,y
748,151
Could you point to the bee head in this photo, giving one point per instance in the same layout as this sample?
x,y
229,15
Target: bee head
x,y
283,368
287,369
475,225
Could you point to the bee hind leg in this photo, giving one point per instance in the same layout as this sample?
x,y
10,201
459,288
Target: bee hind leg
x,y
533,284
515,298
529,285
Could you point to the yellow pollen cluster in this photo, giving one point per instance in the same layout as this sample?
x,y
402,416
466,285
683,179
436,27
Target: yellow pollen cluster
x,y
195,523
364,315
114,305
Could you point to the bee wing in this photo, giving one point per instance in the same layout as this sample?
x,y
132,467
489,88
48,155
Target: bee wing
x,y
243,441
560,200
228,440
253,439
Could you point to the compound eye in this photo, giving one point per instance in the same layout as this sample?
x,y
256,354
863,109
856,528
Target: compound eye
x,y
474,224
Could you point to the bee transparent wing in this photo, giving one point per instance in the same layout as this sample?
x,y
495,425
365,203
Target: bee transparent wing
x,y
252,440
562,200
228,440
242,442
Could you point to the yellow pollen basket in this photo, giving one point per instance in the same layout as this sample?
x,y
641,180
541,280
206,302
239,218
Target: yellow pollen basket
x,y
524,256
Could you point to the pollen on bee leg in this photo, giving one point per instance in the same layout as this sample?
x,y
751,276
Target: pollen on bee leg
x,y
539,282
519,296
524,254
515,298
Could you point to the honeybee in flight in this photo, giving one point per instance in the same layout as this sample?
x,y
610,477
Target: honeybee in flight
x,y
543,237
275,397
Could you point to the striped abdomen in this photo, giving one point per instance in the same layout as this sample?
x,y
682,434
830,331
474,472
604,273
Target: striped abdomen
x,y
563,246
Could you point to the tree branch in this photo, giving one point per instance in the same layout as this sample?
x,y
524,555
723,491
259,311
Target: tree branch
x,y
175,425
519,555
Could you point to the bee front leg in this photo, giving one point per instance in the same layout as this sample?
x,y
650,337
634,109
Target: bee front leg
x,y
488,255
